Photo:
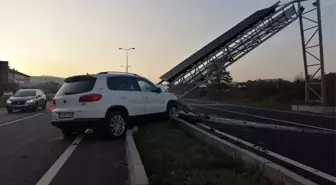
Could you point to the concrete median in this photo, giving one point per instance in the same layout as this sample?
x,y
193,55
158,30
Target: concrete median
x,y
136,170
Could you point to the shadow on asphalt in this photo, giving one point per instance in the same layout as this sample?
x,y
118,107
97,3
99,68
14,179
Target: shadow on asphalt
x,y
96,136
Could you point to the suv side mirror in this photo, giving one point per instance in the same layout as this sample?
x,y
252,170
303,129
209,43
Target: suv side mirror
x,y
38,96
157,90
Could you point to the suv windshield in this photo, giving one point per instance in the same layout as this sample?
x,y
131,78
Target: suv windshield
x,y
76,85
24,93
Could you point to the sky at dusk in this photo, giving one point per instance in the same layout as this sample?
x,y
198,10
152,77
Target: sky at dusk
x,y
69,37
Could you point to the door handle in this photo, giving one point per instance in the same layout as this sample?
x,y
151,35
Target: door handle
x,y
123,97
146,97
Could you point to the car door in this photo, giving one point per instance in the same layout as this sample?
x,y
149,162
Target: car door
x,y
154,101
125,92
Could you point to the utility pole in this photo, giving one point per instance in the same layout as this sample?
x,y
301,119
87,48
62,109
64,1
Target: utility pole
x,y
126,50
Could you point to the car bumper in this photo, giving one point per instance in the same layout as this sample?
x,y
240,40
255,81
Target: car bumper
x,y
20,107
79,123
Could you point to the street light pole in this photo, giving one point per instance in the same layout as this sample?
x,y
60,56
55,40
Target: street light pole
x,y
126,50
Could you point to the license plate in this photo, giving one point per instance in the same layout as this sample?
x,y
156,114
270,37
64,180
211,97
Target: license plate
x,y
63,115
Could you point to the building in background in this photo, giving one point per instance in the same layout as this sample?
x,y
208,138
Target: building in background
x,y
10,76
3,76
17,77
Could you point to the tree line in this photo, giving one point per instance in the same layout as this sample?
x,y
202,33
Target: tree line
x,y
275,91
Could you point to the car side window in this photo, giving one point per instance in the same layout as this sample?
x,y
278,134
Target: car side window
x,y
145,85
122,83
37,93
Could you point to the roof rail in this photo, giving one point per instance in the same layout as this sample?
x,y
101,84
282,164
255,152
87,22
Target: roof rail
x,y
116,72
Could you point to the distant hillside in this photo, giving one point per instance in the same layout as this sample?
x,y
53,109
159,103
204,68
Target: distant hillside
x,y
35,80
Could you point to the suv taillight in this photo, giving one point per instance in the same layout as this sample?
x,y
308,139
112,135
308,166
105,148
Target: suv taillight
x,y
54,102
90,98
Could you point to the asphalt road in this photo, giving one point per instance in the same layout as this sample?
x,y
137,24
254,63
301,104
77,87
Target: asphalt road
x,y
264,115
30,146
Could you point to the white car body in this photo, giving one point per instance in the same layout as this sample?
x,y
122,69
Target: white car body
x,y
137,103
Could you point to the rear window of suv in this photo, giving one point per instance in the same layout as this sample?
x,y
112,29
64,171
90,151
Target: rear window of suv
x,y
77,84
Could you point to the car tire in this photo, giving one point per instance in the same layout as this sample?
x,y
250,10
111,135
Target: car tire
x,y
116,124
35,108
44,105
67,134
172,110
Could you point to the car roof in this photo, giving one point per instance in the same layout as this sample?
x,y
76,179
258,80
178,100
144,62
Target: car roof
x,y
29,89
117,73
107,73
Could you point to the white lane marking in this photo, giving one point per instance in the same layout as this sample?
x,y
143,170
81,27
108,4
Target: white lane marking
x,y
289,122
275,155
53,170
3,124
274,110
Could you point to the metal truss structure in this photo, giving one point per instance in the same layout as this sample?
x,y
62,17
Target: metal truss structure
x,y
218,61
311,31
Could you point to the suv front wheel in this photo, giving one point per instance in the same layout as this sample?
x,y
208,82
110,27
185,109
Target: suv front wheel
x,y
172,110
116,124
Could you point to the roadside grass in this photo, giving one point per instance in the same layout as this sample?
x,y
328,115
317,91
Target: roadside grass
x,y
173,157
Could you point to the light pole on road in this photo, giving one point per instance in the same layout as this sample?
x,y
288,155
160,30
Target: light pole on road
x,y
126,67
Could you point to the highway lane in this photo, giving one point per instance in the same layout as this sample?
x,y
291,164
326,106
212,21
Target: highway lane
x,y
30,146
5,117
263,115
96,161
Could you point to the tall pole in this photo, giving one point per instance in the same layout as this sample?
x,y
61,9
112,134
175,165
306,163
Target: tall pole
x,y
126,50
303,41
126,61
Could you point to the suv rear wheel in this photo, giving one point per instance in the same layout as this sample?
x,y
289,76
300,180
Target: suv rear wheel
x,y
116,124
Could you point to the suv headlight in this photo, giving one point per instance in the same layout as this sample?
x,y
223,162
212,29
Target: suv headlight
x,y
8,102
30,101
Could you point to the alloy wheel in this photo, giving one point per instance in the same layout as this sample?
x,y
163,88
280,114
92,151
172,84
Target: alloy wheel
x,y
117,125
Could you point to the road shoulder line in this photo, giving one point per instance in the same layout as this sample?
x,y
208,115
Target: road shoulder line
x,y
53,170
21,119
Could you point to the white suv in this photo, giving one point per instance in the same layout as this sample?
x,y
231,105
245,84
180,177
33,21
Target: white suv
x,y
106,102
